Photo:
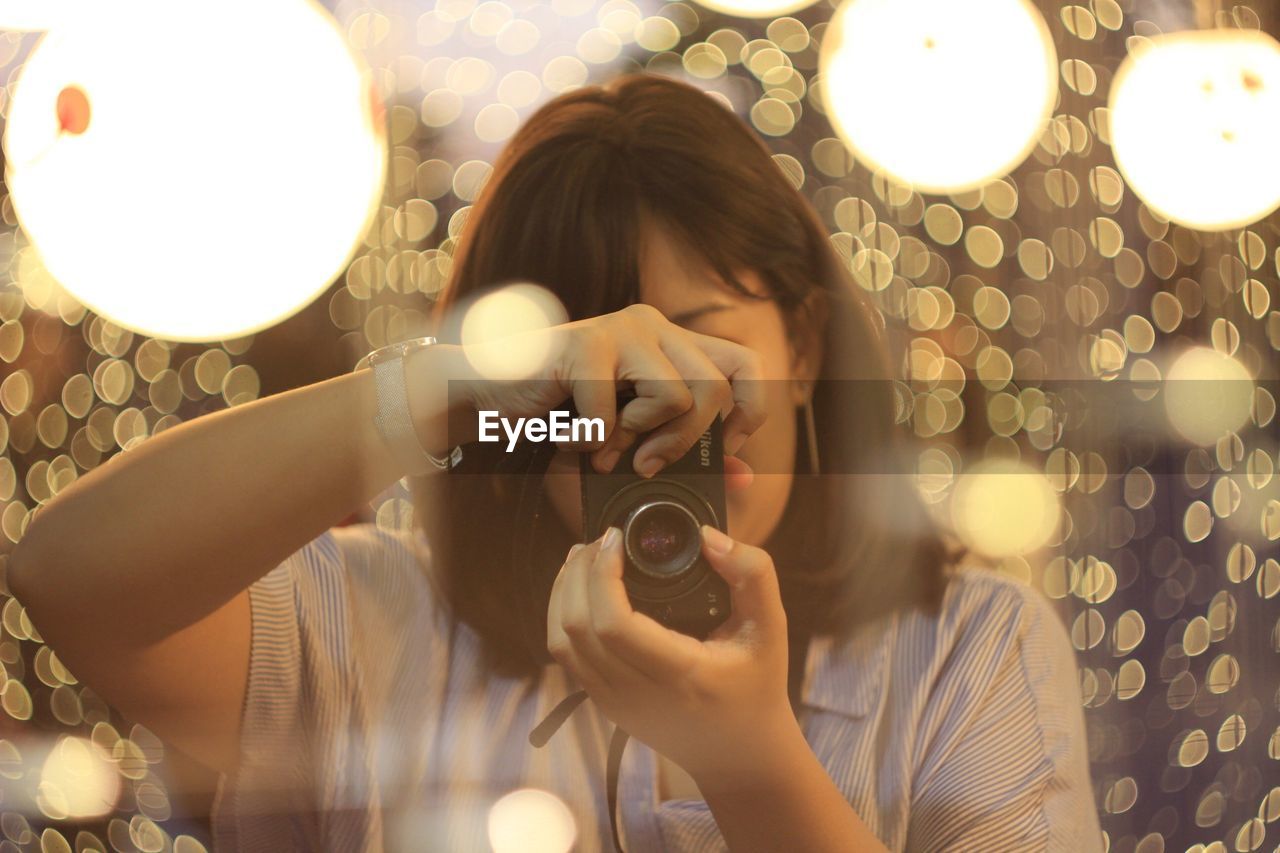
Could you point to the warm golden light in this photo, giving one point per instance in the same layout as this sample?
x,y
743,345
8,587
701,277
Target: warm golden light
x,y
494,331
941,95
1003,507
531,821
78,781
184,196
756,8
1195,124
1207,395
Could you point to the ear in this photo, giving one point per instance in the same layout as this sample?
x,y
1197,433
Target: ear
x,y
808,344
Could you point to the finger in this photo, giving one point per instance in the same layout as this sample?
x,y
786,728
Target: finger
x,y
556,639
743,368
559,644
711,394
555,635
661,395
673,439
595,398
738,475
587,370
579,625
653,650
659,401
606,458
753,583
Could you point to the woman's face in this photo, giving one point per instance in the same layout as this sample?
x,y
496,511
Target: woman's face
x,y
690,295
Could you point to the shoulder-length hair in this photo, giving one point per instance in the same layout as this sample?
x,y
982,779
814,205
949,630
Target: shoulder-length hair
x,y
564,207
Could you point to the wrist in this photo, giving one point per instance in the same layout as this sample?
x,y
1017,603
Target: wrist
x,y
764,756
439,404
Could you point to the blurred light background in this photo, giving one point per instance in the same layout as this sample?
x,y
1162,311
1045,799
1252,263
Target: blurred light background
x,y
1039,196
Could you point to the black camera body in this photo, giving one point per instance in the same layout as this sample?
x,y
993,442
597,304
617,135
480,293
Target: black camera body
x,y
665,574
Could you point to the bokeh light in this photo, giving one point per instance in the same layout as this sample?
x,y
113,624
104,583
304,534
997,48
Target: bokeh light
x,y
282,186
943,96
1002,508
1195,124
1207,394
756,8
504,332
531,820
78,780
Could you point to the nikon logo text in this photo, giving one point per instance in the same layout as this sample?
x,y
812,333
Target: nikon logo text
x,y
704,450
556,426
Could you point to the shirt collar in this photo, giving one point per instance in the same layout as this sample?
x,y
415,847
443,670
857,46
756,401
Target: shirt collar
x,y
844,674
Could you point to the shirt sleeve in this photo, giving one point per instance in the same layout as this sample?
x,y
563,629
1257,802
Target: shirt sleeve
x,y
306,779
1004,764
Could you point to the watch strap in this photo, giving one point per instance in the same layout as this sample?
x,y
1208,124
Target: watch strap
x,y
393,418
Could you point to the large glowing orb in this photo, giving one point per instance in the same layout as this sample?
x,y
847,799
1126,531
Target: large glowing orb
x,y
755,8
1195,126
195,170
942,95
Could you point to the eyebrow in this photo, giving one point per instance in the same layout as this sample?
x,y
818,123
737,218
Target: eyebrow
x,y
686,317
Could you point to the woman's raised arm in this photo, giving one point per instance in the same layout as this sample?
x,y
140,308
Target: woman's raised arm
x,y
137,573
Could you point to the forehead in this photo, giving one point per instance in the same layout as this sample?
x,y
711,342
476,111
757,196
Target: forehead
x,y
674,277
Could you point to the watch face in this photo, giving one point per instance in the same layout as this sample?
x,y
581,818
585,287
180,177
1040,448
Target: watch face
x,y
395,350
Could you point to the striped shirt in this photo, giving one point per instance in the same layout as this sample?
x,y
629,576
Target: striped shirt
x,y
369,724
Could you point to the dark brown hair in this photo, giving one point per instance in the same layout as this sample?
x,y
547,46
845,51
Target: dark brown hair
x,y
564,207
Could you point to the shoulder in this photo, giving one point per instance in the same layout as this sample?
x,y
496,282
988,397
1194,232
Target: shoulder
x,y
983,607
916,661
999,756
990,630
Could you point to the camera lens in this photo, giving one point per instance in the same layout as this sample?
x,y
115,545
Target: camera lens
x,y
662,539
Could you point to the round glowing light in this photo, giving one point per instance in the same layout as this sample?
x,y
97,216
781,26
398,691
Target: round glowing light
x,y
504,333
183,196
1195,124
755,8
1003,507
968,90
531,821
1207,395
78,780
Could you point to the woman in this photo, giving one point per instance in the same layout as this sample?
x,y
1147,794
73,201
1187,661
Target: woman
x,y
363,689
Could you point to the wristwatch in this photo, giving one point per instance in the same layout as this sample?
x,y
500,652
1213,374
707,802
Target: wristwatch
x,y
393,419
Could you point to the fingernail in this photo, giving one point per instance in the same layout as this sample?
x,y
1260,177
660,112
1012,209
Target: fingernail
x,y
716,539
575,549
609,459
610,539
734,443
648,466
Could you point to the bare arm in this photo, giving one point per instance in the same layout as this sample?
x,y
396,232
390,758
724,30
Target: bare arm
x,y
137,573
779,797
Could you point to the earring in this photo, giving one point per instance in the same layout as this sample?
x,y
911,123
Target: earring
x,y
811,436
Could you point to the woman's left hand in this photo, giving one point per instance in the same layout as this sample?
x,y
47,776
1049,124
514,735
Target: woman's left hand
x,y
700,703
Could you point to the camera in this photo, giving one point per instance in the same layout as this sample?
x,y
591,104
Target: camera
x,y
665,574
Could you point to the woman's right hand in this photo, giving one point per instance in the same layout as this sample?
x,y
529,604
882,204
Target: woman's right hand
x,y
681,380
